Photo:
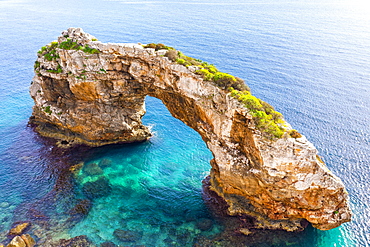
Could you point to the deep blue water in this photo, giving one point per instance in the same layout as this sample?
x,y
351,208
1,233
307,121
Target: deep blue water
x,y
309,59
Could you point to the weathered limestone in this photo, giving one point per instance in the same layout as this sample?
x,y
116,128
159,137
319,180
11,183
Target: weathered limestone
x,y
98,99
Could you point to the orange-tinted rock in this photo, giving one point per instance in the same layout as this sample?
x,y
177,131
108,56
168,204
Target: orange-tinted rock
x,y
17,241
28,240
19,229
99,99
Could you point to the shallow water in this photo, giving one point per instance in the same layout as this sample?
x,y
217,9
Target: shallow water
x,y
311,60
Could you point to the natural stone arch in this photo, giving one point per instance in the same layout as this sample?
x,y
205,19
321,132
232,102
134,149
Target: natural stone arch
x,y
97,98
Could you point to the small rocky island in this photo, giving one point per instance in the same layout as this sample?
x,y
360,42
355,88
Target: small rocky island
x,y
89,92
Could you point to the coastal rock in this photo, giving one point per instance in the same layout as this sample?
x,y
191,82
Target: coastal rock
x,y
24,240
80,241
108,244
95,96
19,228
17,241
28,240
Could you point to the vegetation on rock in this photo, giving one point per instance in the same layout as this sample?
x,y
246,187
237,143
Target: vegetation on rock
x,y
209,72
47,109
269,121
49,51
56,71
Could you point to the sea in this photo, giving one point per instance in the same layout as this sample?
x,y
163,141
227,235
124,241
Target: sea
x,y
310,59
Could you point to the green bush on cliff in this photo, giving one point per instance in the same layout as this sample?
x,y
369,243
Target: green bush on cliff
x,y
72,45
37,64
223,79
208,76
209,72
269,121
56,71
69,45
89,50
47,109
49,51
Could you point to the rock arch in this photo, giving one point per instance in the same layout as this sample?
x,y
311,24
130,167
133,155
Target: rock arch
x,y
95,95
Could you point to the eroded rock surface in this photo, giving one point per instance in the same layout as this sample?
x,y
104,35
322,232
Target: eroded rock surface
x,y
96,97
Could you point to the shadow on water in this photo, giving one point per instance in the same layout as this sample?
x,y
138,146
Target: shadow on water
x,y
40,186
60,191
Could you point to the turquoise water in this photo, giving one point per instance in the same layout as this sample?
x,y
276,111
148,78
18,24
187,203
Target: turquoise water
x,y
310,59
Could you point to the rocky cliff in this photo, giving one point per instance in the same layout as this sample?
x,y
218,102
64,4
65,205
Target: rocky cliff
x,y
93,93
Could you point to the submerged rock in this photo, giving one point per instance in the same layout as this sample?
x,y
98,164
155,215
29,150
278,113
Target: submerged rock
x,y
95,96
92,169
4,204
204,224
105,163
82,207
80,241
108,244
245,231
96,189
127,235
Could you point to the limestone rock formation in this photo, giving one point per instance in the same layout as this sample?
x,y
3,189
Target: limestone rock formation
x,y
89,92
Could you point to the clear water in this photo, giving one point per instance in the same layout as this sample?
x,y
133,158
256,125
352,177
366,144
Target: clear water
x,y
310,59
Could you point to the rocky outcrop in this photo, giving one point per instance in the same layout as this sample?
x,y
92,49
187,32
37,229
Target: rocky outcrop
x,y
19,228
89,92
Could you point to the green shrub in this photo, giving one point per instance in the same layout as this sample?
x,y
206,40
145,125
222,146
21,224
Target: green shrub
x,y
69,45
239,84
223,80
207,71
89,50
267,120
208,76
183,61
180,61
37,65
56,71
49,51
47,109
210,67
